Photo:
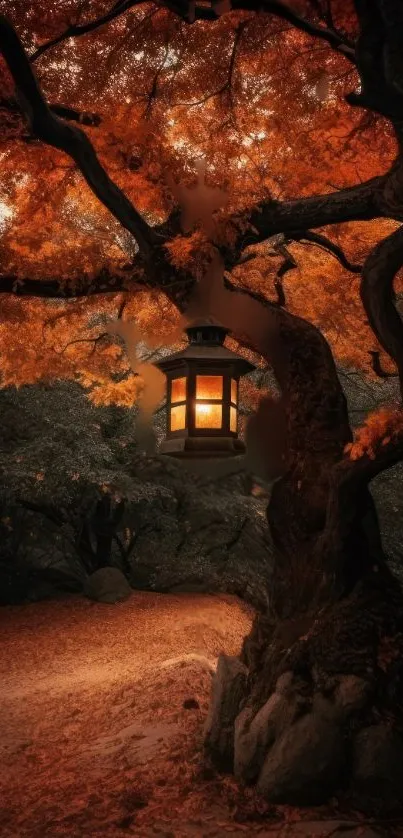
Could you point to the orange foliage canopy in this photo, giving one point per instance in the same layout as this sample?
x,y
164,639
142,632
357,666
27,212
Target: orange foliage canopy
x,y
260,100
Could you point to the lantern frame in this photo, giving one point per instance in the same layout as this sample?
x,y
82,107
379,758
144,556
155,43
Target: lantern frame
x,y
205,355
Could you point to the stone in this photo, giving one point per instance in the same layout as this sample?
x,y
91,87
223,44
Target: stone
x,y
284,682
305,763
108,584
227,693
352,693
256,733
377,764
253,736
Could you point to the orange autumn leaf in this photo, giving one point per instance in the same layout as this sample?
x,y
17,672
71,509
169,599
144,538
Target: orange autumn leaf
x,y
379,429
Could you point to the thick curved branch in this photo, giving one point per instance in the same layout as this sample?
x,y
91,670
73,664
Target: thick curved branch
x,y
335,39
377,296
297,218
282,10
103,283
348,480
307,236
191,12
354,203
70,139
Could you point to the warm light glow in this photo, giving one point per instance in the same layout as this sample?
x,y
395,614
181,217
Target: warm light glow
x,y
209,386
208,416
233,419
178,418
234,392
178,390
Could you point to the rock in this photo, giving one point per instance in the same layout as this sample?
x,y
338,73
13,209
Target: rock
x,y
108,584
352,693
293,746
377,770
304,765
256,734
253,736
228,691
284,682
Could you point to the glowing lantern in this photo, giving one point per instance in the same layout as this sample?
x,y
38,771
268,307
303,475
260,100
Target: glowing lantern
x,y
202,395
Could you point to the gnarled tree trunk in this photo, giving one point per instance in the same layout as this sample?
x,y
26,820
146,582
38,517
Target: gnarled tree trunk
x,y
313,707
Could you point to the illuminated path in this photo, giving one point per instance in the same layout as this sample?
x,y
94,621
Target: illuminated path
x,y
94,738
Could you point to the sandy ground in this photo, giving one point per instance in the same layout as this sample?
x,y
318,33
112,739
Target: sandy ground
x,y
95,739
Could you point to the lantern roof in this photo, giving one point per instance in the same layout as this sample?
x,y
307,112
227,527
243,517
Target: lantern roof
x,y
206,344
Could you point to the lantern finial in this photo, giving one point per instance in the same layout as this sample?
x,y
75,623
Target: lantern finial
x,y
206,331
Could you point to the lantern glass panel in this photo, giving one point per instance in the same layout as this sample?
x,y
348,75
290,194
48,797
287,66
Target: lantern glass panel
x,y
208,416
178,390
233,419
234,392
178,418
209,387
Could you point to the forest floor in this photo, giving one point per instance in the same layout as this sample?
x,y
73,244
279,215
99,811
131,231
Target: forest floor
x,y
95,735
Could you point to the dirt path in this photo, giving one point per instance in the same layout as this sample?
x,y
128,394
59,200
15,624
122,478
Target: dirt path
x,y
94,736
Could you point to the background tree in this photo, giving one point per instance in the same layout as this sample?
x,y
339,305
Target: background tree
x,y
282,99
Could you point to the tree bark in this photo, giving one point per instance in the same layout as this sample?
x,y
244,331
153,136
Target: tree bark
x,y
377,295
318,677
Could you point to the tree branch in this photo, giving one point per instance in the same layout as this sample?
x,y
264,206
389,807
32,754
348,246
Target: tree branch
x,y
335,40
95,341
355,203
377,366
377,296
83,117
70,139
77,30
317,239
74,115
103,283
379,59
367,468
350,204
324,243
226,87
183,8
350,504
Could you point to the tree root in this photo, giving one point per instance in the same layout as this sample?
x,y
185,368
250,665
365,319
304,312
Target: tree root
x,y
314,709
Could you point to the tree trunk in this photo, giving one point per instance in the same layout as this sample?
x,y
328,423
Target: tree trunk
x,y
320,712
